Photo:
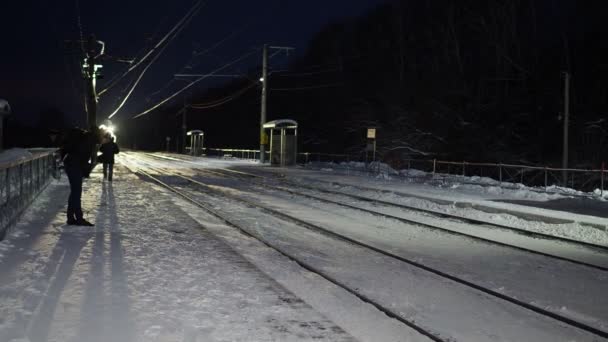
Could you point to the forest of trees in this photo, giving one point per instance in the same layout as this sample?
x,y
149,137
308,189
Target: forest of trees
x,y
456,79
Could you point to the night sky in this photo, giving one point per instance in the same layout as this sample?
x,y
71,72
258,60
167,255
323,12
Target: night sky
x,y
39,71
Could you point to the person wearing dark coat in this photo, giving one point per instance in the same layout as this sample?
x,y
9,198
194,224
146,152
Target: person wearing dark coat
x,y
108,149
76,152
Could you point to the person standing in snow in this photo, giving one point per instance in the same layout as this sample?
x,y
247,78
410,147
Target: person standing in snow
x,y
108,149
76,152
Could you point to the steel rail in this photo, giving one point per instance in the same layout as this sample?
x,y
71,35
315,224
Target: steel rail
x,y
275,213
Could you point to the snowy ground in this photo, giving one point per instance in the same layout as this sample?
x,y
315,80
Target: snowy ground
x,y
145,272
157,268
566,216
560,287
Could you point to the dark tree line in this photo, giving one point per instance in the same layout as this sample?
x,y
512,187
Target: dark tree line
x,y
458,79
41,132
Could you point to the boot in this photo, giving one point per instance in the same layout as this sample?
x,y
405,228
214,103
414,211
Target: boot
x,y
71,218
82,222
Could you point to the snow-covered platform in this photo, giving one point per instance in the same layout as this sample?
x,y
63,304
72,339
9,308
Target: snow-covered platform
x,y
145,272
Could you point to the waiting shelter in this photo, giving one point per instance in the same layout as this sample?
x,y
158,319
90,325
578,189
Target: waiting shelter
x,y
283,142
196,142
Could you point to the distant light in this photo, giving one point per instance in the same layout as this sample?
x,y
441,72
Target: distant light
x,y
261,79
109,129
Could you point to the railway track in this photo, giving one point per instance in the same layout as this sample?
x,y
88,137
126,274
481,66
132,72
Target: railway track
x,y
435,213
323,230
262,181
385,309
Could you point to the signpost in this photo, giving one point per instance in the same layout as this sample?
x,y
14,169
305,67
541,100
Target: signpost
x,y
371,133
371,143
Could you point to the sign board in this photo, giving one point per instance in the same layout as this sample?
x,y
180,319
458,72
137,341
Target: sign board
x,y
264,139
371,133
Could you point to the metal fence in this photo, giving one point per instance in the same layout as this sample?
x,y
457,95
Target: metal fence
x,y
232,153
543,178
20,182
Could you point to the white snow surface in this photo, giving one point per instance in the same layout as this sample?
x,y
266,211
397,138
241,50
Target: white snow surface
x,y
561,287
145,272
523,208
157,268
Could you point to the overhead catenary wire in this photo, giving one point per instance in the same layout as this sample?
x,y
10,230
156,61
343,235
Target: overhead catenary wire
x,y
196,54
242,57
149,65
119,76
202,53
309,87
137,55
285,73
338,65
178,26
223,100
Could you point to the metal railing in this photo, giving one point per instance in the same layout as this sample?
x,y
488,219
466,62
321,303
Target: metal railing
x,y
20,182
232,153
543,178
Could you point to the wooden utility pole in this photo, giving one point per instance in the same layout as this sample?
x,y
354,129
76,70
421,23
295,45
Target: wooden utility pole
x,y
90,71
184,127
566,124
263,136
264,79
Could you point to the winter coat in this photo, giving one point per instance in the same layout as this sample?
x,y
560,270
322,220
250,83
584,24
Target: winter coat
x,y
76,150
108,150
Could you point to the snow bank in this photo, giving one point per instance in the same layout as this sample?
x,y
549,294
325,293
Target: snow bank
x,y
470,183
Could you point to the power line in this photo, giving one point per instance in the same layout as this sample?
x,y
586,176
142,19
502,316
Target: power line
x,y
141,75
333,65
254,22
137,55
190,13
196,55
180,24
195,82
225,39
223,100
310,87
285,73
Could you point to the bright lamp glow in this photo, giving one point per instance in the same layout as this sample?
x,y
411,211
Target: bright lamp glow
x,y
109,129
